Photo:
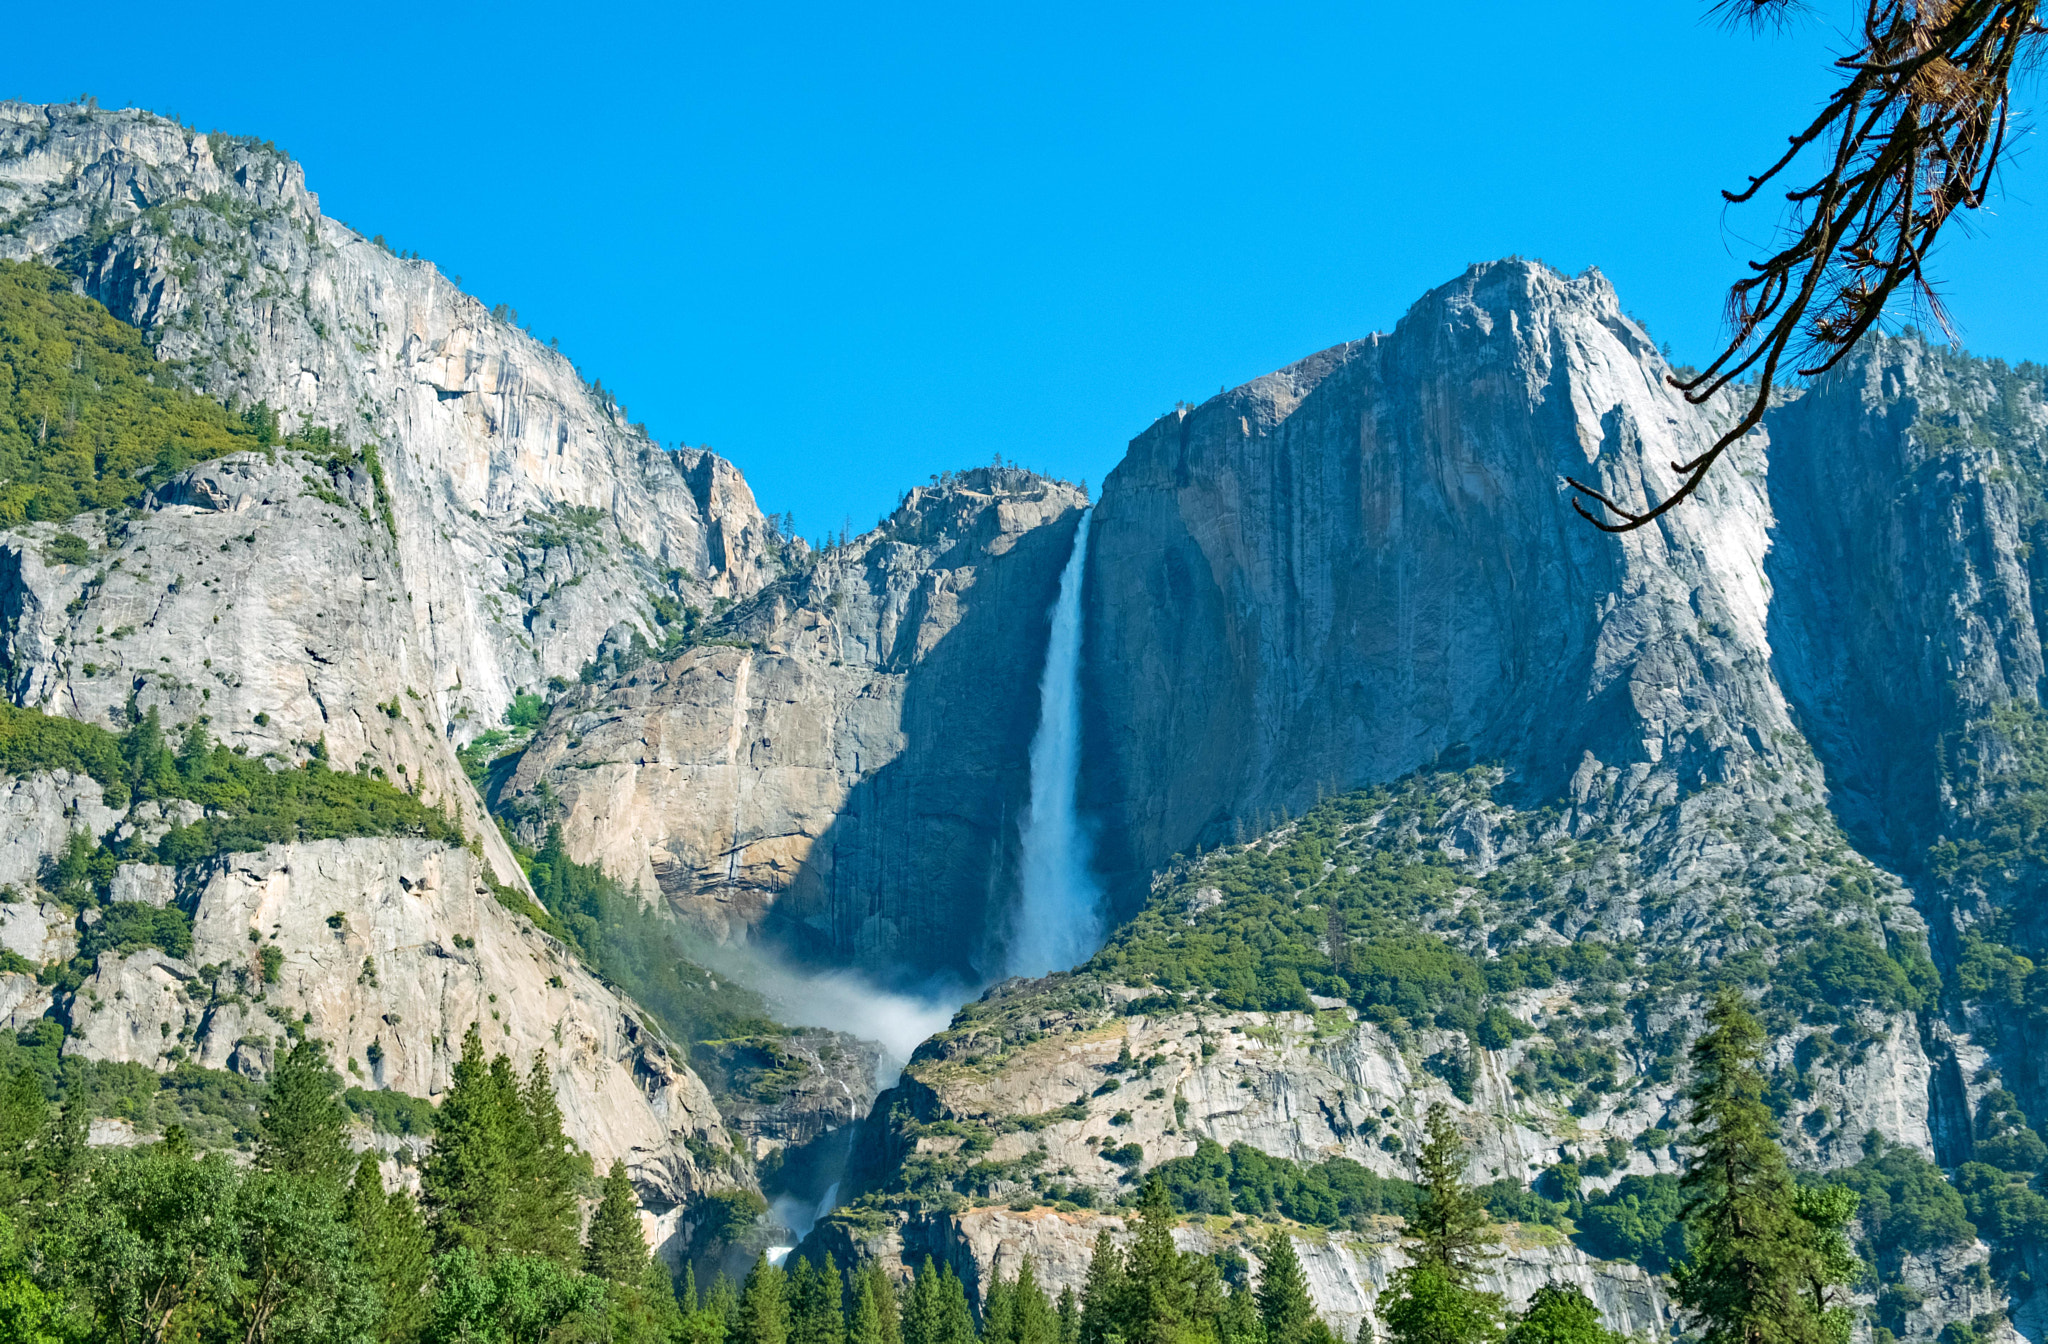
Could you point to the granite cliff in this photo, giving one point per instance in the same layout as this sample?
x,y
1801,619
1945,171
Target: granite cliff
x,y
445,515
839,766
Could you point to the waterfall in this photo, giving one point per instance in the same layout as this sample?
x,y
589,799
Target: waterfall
x,y
1058,920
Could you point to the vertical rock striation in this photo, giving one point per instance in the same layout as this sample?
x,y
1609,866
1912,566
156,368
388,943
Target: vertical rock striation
x,y
1363,564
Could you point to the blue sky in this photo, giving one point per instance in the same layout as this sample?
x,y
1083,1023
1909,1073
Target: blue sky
x,y
851,246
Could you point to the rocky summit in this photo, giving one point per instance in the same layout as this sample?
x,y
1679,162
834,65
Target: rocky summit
x,y
372,679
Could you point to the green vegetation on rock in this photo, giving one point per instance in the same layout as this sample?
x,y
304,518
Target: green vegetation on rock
x,y
1336,1192
247,803
89,418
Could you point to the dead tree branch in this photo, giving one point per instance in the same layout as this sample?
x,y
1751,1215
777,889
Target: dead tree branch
x,y
1914,134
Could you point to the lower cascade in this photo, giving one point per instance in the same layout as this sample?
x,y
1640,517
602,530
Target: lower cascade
x,y
1058,919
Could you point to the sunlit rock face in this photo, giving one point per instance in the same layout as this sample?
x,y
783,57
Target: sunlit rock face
x,y
528,517
454,516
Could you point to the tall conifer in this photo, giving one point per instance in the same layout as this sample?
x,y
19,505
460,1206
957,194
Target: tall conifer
x,y
390,1241
468,1174
1033,1320
888,1311
1102,1294
998,1323
616,1248
1286,1312
544,1214
763,1306
1432,1300
1767,1260
865,1323
301,1123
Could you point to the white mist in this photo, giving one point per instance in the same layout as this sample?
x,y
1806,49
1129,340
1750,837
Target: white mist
x,y
1058,920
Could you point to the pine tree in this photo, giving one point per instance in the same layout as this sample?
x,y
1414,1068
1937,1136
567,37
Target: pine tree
x,y
1767,1260
24,1119
1238,1321
1102,1295
1160,1303
799,1282
467,1176
1432,1300
865,1327
302,1125
1032,1315
1560,1313
544,1208
1449,1227
998,1322
1286,1312
615,1248
723,1301
763,1306
67,1148
956,1317
390,1240
923,1313
831,1305
888,1313
937,1310
1070,1317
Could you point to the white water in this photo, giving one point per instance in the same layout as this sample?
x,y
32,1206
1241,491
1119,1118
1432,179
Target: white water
x,y
799,1218
1058,920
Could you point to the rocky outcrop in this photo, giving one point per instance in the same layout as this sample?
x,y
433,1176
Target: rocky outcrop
x,y
844,760
1364,564
260,595
389,950
789,1090
38,815
1346,1272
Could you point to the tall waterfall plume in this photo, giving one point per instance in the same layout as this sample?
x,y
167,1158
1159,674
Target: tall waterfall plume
x,y
1058,920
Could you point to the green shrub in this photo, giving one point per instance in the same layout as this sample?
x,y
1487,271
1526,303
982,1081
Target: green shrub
x,y
31,743
387,1112
127,925
68,548
249,805
1499,1028
1845,966
1904,1203
1636,1221
526,711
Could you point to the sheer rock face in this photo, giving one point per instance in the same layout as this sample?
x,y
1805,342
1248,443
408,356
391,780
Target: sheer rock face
x,y
1910,588
852,774
1363,564
239,594
530,517
389,950
1912,584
